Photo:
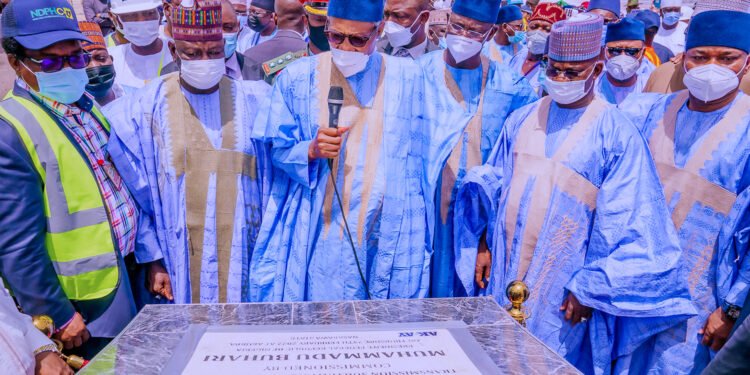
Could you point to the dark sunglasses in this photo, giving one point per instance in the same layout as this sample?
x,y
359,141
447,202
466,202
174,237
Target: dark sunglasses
x,y
615,51
336,38
55,64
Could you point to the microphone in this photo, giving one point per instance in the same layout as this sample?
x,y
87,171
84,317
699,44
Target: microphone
x,y
335,102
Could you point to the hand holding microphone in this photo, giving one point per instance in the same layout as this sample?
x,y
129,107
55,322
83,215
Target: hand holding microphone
x,y
327,143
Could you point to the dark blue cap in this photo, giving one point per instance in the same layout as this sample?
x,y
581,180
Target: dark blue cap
x,y
719,28
37,24
650,19
357,10
481,10
509,13
610,5
626,29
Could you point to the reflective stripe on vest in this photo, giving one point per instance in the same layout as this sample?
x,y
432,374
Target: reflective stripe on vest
x,y
79,239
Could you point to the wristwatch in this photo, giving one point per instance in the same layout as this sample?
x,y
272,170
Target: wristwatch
x,y
732,311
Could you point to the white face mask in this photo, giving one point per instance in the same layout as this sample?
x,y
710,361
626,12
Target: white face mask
x,y
141,33
567,92
399,36
349,62
711,82
202,74
463,48
622,67
537,41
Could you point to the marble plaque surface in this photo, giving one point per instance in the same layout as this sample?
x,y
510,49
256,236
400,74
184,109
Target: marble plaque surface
x,y
148,343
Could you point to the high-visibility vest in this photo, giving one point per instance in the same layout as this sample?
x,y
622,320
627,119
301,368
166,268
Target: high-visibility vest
x,y
79,238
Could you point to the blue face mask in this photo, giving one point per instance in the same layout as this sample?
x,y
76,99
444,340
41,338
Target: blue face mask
x,y
230,44
671,18
519,38
243,20
65,86
443,43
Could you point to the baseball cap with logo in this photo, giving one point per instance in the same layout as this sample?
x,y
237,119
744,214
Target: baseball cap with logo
x,y
132,6
37,24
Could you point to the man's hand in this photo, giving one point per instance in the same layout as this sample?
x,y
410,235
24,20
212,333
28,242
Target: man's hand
x,y
327,144
575,312
74,334
50,363
158,281
717,329
484,264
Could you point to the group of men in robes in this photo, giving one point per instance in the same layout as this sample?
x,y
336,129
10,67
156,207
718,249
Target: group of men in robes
x,y
389,167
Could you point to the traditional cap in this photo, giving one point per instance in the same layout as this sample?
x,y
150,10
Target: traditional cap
x,y
719,28
735,5
38,24
315,7
93,32
509,13
480,10
132,6
199,23
670,4
526,9
263,4
608,5
576,39
626,29
548,12
360,10
649,18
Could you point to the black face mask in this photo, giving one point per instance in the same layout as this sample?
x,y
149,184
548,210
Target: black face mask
x,y
101,79
319,39
253,22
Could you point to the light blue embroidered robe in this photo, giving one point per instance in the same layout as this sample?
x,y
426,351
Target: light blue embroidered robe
x,y
612,248
142,148
505,92
303,252
714,239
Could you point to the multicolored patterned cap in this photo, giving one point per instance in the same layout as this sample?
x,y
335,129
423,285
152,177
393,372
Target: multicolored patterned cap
x,y
733,5
199,23
548,12
92,31
576,39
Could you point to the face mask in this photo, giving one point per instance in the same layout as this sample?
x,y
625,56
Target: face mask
x,y
567,92
254,23
230,44
398,35
443,43
202,74
711,82
537,41
242,20
101,79
65,86
518,38
622,67
306,36
671,18
463,48
349,62
318,38
141,33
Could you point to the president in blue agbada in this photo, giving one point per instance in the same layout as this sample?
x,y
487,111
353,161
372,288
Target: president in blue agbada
x,y
468,98
303,250
700,140
569,202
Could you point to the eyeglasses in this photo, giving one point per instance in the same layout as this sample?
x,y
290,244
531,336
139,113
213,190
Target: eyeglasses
x,y
457,29
616,51
571,75
358,41
55,64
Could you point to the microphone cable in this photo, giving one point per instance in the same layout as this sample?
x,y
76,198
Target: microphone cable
x,y
348,232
